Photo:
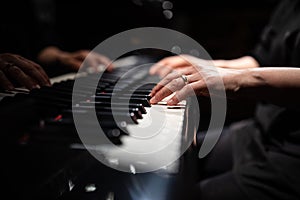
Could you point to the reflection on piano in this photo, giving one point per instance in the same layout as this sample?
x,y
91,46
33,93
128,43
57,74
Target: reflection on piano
x,y
44,158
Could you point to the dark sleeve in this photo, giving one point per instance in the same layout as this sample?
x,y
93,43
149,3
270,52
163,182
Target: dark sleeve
x,y
263,51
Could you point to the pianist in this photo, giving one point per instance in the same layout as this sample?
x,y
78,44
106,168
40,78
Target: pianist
x,y
257,158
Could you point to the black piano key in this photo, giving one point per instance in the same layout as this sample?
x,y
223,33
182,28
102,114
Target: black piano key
x,y
126,94
63,120
140,91
128,117
143,101
105,98
129,105
147,96
51,98
136,111
147,86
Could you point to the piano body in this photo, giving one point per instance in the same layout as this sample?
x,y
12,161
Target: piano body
x,y
43,157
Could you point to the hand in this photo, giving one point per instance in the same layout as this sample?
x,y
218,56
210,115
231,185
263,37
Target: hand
x,y
167,65
73,60
203,80
92,59
15,69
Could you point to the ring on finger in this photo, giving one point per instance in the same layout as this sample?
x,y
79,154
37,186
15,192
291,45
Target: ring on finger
x,y
185,79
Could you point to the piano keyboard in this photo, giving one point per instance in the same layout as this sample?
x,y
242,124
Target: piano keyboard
x,y
51,121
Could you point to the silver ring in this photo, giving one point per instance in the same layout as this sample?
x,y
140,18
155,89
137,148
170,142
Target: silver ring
x,y
185,79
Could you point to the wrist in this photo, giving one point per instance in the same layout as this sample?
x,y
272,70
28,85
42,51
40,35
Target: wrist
x,y
248,83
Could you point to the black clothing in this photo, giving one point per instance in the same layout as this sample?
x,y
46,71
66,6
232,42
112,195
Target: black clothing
x,y
27,26
266,149
280,41
268,159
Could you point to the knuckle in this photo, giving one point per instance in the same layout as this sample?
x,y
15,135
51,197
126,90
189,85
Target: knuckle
x,y
169,77
163,93
14,69
172,85
159,94
176,82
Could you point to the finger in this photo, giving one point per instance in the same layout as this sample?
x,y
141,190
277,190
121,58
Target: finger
x,y
171,77
30,68
35,73
46,80
195,88
18,75
103,59
164,71
91,61
158,66
94,59
180,95
193,74
110,67
164,82
41,70
171,87
194,77
172,62
4,82
106,61
187,70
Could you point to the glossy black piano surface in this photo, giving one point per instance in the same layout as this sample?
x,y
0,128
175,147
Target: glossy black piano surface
x,y
38,131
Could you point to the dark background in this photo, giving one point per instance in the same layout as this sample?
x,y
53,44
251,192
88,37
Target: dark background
x,y
226,29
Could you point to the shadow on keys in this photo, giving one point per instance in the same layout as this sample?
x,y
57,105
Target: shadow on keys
x,y
44,158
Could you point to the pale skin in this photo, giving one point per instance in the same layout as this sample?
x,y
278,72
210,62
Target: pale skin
x,y
167,65
242,79
73,60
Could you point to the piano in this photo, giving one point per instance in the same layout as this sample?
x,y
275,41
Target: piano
x,y
44,156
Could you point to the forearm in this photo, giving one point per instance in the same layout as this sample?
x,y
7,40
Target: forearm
x,y
239,63
278,85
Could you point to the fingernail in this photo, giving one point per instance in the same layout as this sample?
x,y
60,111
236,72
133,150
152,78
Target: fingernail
x,y
153,100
